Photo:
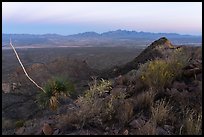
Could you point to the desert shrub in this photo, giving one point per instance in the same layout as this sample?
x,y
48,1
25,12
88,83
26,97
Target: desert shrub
x,y
96,108
54,89
159,73
178,60
160,111
145,100
96,90
156,73
192,123
92,102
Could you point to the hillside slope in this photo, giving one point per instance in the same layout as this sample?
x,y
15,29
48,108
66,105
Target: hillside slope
x,y
157,93
150,53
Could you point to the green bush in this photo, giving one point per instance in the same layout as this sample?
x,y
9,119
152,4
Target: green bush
x,y
54,89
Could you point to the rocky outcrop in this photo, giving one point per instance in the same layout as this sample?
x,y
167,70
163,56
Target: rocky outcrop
x,y
150,53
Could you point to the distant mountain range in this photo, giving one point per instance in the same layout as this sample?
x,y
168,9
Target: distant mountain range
x,y
110,38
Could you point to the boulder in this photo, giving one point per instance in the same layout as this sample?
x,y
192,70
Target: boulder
x,y
119,80
137,123
161,131
6,87
47,129
192,72
56,132
169,128
126,132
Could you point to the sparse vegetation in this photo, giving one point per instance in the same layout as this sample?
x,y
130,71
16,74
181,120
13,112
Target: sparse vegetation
x,y
145,100
92,105
157,73
99,106
161,72
156,99
192,123
161,111
54,89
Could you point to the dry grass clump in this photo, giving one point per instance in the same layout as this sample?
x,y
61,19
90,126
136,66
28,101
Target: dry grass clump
x,y
160,111
145,100
192,123
124,111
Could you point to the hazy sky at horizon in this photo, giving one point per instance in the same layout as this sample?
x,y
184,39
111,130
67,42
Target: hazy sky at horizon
x,y
75,17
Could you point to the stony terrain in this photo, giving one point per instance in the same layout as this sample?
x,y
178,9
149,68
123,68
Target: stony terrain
x,y
127,102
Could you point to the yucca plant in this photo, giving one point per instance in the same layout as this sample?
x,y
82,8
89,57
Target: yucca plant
x,y
54,89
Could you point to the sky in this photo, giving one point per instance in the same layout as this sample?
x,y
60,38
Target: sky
x,y
67,18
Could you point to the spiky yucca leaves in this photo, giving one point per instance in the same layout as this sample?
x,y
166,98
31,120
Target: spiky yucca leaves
x,y
54,89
